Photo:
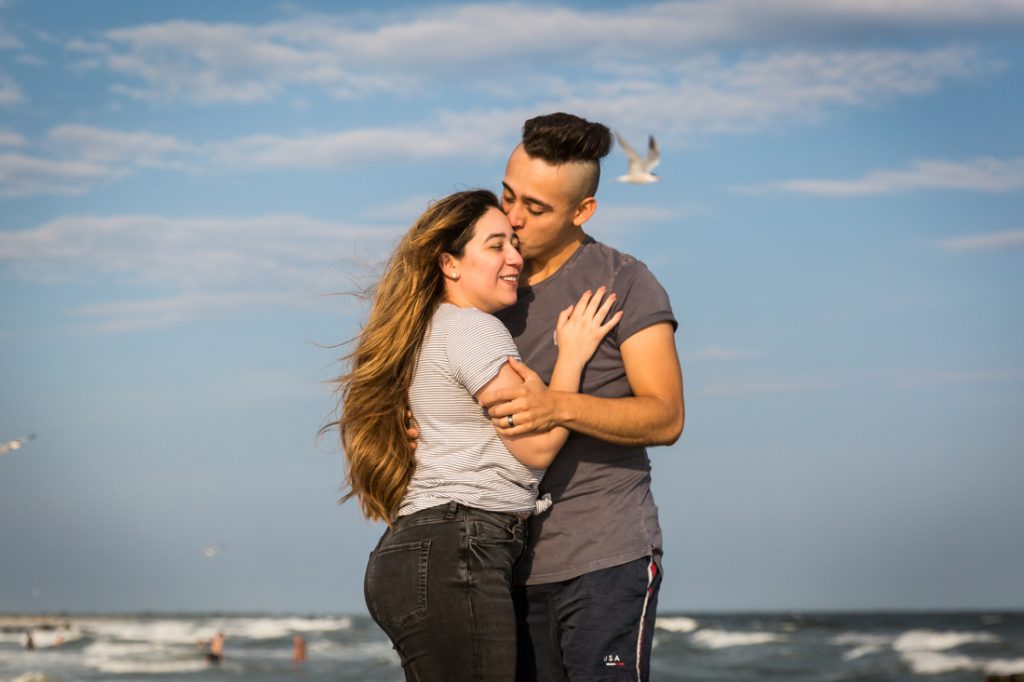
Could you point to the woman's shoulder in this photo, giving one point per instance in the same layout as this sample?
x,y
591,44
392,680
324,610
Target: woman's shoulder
x,y
463,327
454,316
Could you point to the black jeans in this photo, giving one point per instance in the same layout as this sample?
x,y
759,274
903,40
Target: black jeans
x,y
439,584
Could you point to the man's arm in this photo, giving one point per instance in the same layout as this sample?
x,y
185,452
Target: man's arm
x,y
653,415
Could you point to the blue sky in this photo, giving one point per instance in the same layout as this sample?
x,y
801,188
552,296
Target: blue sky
x,y
184,185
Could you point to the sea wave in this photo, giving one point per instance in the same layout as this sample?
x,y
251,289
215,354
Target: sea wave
x,y
721,639
34,677
189,631
341,651
864,644
937,663
42,639
934,640
677,624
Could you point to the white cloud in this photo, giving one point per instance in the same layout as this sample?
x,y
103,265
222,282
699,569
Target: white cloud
x,y
481,44
30,59
707,95
979,175
348,148
9,138
84,156
101,145
199,265
126,316
10,93
696,96
991,241
8,41
403,212
22,175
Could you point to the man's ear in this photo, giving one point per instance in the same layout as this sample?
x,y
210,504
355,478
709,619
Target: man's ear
x,y
584,210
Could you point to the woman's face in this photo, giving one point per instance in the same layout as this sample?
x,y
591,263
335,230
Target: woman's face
x,y
487,274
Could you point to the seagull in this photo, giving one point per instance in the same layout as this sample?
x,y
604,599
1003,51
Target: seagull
x,y
640,169
214,550
16,443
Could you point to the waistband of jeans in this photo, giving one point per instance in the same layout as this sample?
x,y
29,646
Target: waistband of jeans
x,y
453,510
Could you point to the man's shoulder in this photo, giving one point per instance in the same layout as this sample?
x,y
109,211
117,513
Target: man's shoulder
x,y
599,251
618,266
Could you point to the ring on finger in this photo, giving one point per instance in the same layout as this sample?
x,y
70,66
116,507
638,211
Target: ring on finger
x,y
510,422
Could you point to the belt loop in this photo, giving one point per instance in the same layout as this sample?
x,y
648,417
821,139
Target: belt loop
x,y
453,507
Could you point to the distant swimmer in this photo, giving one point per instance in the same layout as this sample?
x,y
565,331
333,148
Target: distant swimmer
x,y
298,650
640,169
216,653
30,644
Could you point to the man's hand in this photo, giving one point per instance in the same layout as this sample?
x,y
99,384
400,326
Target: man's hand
x,y
532,406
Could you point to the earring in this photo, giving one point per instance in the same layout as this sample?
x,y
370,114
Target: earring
x,y
454,276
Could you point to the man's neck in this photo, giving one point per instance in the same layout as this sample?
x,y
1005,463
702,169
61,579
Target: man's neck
x,y
539,268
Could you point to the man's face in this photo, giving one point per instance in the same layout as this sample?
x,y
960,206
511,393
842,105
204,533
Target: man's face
x,y
540,201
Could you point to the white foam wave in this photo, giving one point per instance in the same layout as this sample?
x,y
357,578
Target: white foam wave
x,y
861,651
125,658
860,638
864,644
136,667
159,632
677,624
935,663
933,640
34,677
378,651
187,632
274,628
43,639
1005,666
721,639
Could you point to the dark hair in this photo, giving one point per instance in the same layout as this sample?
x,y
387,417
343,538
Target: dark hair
x,y
564,138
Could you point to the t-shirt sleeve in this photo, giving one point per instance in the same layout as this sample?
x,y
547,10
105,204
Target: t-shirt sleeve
x,y
477,348
642,299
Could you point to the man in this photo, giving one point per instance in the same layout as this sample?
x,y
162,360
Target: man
x,y
591,574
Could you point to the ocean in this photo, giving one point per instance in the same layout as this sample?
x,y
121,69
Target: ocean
x,y
818,647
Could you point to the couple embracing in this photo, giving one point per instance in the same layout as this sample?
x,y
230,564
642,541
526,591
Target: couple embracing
x,y
523,541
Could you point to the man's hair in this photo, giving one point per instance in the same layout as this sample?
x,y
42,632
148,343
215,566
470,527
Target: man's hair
x,y
564,138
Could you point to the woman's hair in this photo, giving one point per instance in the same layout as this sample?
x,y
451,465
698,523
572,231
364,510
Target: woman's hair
x,y
375,392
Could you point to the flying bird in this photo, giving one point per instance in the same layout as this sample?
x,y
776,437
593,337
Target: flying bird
x,y
16,443
213,550
640,169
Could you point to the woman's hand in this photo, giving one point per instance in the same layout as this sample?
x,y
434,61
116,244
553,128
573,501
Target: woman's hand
x,y
581,327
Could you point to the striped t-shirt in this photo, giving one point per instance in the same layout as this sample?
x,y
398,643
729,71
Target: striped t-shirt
x,y
459,456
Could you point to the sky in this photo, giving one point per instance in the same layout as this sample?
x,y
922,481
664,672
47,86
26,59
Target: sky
x,y
187,190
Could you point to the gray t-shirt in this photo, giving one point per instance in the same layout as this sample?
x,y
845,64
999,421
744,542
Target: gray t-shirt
x,y
459,455
603,513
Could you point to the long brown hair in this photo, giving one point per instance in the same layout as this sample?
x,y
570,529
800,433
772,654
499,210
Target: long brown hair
x,y
375,392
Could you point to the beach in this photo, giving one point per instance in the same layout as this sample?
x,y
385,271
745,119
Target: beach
x,y
818,647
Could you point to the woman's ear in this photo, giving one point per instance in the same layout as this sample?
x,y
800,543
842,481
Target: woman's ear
x,y
449,265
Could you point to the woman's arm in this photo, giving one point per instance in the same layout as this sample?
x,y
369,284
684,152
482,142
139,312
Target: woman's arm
x,y
578,332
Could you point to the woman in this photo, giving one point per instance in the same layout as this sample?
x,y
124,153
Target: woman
x,y
439,581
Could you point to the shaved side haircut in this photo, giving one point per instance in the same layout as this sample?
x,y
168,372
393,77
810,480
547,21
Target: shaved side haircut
x,y
561,138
